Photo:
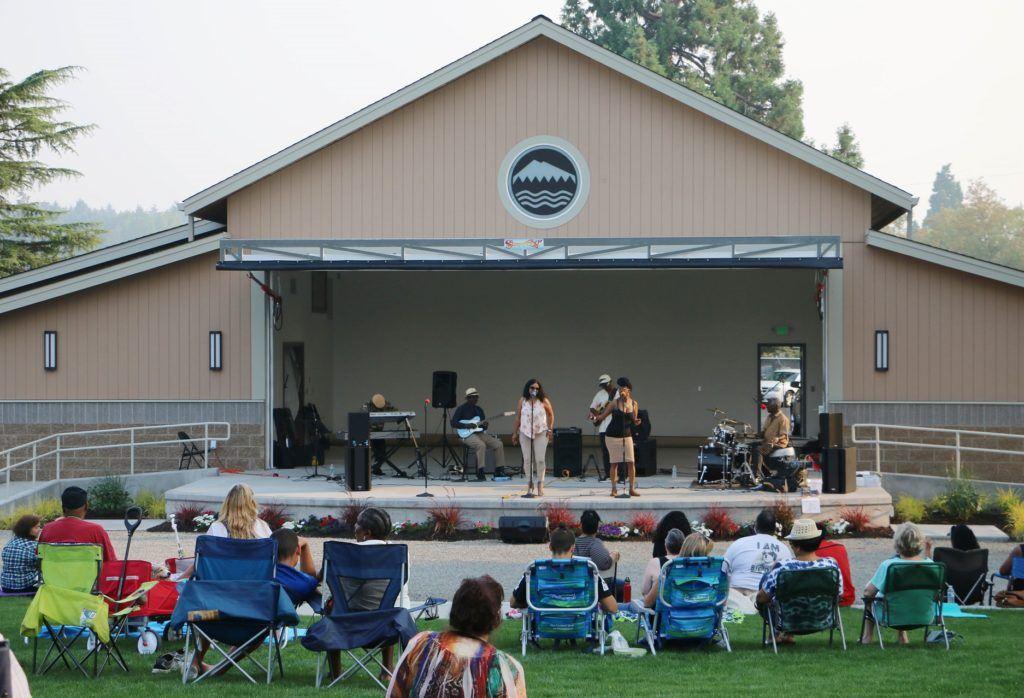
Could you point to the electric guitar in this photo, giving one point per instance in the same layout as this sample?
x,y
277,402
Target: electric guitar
x,y
474,424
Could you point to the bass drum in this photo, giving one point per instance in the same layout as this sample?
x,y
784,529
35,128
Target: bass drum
x,y
710,464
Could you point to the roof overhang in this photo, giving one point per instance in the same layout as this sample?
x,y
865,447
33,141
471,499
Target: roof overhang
x,y
945,258
888,201
821,252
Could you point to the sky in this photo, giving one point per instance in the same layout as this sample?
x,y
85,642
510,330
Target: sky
x,y
185,93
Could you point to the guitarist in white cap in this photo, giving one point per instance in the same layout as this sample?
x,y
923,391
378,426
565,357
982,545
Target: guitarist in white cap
x,y
480,441
606,392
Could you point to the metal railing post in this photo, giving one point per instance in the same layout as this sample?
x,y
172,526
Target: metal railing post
x,y
58,458
958,455
34,461
131,451
878,451
8,467
206,444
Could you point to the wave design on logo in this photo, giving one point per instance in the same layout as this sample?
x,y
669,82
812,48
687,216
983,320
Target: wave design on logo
x,y
535,201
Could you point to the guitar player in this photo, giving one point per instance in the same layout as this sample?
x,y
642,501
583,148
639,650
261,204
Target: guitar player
x,y
480,442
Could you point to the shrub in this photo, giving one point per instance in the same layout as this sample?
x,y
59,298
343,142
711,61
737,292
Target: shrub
x,y
935,507
644,523
1005,499
445,519
153,505
351,511
47,510
962,501
275,516
319,526
109,498
718,521
186,516
559,514
1015,520
909,509
784,516
856,517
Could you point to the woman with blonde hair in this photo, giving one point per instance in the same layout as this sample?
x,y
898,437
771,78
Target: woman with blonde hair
x,y
693,545
911,546
240,516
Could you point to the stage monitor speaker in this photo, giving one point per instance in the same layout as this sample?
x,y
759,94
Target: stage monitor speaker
x,y
646,454
359,427
357,468
838,470
523,529
443,391
642,432
568,449
830,429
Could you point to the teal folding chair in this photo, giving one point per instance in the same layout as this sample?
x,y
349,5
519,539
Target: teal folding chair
x,y
911,599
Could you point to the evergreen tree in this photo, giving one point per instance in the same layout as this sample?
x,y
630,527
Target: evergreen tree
x,y
30,235
946,192
846,148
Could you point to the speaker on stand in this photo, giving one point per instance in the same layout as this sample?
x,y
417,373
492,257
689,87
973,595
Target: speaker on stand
x,y
442,396
357,455
830,429
838,470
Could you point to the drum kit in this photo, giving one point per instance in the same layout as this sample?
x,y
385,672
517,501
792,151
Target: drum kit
x,y
729,458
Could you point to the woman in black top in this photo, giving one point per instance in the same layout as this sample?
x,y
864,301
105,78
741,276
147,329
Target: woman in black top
x,y
618,438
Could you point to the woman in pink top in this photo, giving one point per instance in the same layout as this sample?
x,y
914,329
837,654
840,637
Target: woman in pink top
x,y
535,419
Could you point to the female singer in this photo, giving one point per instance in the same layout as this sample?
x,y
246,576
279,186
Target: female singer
x,y
618,437
535,418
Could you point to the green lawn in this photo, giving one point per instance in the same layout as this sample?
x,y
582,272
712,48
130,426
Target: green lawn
x,y
987,661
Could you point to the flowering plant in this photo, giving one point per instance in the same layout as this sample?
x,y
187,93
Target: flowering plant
x,y
204,521
614,530
410,527
483,528
290,525
837,528
315,525
699,527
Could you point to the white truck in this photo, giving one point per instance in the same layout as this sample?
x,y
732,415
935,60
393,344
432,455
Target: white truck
x,y
783,383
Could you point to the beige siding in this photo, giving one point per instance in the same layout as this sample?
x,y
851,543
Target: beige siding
x,y
143,337
658,168
953,336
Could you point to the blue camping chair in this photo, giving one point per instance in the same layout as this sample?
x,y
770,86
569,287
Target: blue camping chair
x,y
1016,575
562,602
692,593
234,600
364,582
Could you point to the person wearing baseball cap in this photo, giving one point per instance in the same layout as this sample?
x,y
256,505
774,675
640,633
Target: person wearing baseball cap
x,y
73,528
469,415
805,537
605,392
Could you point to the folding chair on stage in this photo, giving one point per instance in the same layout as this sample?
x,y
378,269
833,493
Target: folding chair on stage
x,y
966,573
692,593
562,602
912,598
364,582
234,600
190,453
806,601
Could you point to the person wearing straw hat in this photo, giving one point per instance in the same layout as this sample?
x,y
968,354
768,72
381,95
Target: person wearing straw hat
x,y
479,442
606,392
804,539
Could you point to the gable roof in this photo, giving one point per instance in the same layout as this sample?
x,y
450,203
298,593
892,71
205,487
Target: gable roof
x,y
888,201
945,258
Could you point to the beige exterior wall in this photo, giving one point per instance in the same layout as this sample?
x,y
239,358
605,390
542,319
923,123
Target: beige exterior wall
x,y
658,168
952,336
142,337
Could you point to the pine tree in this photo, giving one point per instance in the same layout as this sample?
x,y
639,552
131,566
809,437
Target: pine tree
x,y
30,125
846,148
946,192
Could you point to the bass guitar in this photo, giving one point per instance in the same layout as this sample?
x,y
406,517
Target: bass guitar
x,y
473,425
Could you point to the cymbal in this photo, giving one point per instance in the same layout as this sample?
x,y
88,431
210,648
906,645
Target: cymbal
x,y
715,410
727,420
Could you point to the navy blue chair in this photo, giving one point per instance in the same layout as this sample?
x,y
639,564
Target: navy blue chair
x,y
1012,580
234,601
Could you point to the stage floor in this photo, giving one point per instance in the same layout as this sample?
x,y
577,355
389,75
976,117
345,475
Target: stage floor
x,y
486,501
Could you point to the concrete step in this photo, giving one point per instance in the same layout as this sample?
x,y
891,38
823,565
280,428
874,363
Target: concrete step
x,y
986,533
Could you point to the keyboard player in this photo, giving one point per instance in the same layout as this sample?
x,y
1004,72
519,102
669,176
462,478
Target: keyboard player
x,y
480,441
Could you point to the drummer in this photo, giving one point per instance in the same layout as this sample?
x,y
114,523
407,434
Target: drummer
x,y
775,433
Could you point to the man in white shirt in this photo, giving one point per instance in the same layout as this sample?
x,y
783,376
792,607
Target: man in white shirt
x,y
606,392
751,557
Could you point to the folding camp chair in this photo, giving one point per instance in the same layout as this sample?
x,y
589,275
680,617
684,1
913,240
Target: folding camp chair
x,y
190,453
966,573
562,602
234,600
805,601
912,598
692,593
364,582
1016,575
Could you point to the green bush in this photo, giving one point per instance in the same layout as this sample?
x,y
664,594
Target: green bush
x,y
1015,520
152,504
47,510
1006,499
109,498
909,509
962,501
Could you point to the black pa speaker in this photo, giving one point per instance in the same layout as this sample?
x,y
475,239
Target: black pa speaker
x,y
568,449
358,427
642,432
646,454
838,470
830,429
442,393
523,529
357,468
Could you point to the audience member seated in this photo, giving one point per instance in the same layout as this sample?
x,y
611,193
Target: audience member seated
x,y
673,543
837,551
911,546
805,539
461,661
296,570
961,537
748,559
1007,567
240,516
590,546
673,519
694,545
21,569
73,528
373,527
561,544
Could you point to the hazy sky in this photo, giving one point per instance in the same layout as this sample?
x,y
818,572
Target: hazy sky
x,y
188,92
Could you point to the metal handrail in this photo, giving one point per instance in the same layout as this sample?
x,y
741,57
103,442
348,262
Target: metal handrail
x,y
956,447
57,449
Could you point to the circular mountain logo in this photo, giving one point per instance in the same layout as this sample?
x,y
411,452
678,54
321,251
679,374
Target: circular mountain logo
x,y
544,182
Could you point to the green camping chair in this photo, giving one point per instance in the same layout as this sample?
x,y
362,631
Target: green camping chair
x,y
912,598
806,601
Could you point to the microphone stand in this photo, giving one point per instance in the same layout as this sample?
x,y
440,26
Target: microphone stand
x,y
529,487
